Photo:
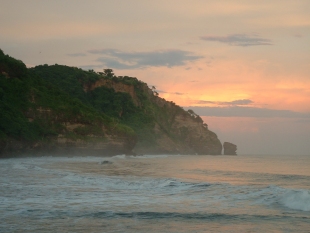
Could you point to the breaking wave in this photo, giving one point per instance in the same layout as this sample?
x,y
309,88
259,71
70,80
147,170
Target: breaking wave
x,y
296,199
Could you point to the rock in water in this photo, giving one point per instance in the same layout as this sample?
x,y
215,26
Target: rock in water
x,y
105,162
229,148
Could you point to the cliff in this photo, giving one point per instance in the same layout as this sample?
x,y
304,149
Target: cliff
x,y
60,109
174,130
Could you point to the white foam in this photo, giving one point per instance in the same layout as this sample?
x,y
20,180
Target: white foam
x,y
124,190
296,200
120,157
150,156
141,156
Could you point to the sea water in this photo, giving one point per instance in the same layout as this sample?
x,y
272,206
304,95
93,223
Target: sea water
x,y
164,193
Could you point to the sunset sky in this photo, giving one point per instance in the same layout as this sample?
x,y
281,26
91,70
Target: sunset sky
x,y
244,66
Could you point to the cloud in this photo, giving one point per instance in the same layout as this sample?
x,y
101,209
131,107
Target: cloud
x,y
90,67
239,40
77,54
230,103
237,111
172,93
114,58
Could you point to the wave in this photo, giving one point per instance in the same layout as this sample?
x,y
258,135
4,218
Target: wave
x,y
296,199
158,185
154,215
141,156
271,195
175,215
192,216
123,187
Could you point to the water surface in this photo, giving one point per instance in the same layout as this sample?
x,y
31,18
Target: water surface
x,y
248,193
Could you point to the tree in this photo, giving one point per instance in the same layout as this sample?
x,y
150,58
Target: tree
x,y
194,115
154,90
108,73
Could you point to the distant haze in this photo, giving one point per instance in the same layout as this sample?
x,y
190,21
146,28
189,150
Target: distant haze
x,y
260,131
288,136
244,66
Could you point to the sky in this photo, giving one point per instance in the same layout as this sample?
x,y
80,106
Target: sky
x,y
244,66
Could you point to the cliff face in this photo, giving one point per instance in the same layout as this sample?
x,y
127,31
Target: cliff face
x,y
117,86
74,136
176,131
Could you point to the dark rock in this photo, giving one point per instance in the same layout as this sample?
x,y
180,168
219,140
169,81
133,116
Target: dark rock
x,y
229,148
105,162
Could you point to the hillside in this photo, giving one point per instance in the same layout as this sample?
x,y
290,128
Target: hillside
x,y
66,109
37,116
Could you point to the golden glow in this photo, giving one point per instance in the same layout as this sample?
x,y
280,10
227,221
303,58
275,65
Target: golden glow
x,y
227,81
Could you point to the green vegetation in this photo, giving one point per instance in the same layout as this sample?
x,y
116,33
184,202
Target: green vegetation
x,y
13,93
12,67
69,79
61,105
119,106
35,108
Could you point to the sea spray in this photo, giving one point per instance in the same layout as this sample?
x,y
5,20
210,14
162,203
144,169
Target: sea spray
x,y
296,200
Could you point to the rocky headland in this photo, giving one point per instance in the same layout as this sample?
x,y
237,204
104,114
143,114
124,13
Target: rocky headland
x,y
65,110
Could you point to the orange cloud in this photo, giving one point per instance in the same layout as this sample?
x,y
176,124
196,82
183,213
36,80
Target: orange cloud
x,y
228,81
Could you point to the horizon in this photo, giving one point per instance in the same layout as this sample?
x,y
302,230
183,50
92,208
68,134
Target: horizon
x,y
243,67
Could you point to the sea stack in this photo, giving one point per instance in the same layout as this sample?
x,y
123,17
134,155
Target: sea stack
x,y
229,148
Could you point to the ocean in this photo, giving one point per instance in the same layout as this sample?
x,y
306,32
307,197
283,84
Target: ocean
x,y
163,193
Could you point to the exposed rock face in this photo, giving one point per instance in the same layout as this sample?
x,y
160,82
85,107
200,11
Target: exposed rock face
x,y
187,133
62,145
117,86
66,146
176,130
229,148
180,133
72,140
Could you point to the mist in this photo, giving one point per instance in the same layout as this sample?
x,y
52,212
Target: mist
x,y
263,135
